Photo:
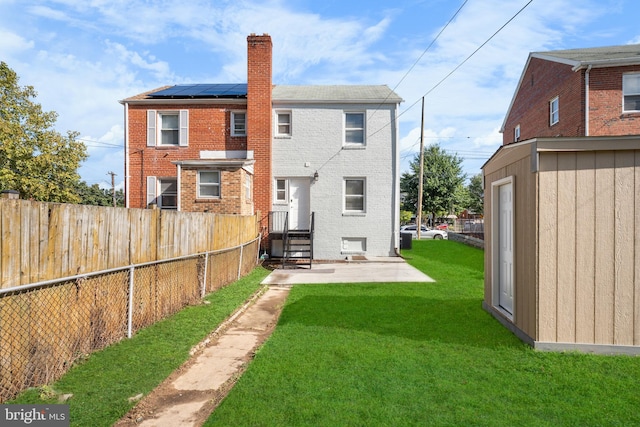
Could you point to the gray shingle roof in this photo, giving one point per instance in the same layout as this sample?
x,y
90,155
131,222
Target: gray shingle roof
x,y
337,93
614,55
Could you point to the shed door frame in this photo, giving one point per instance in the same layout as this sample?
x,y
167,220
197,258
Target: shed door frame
x,y
496,251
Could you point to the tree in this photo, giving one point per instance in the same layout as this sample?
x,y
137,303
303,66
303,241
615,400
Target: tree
x,y
35,159
443,179
476,194
94,195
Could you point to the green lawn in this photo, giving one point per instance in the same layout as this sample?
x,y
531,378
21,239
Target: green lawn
x,y
370,355
420,354
102,385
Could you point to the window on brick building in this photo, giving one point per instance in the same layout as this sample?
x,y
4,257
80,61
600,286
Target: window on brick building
x,y
238,123
162,192
354,128
283,123
554,111
516,133
167,128
208,184
248,187
631,92
354,195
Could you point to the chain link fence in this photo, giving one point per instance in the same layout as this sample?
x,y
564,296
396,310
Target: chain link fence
x,y
45,328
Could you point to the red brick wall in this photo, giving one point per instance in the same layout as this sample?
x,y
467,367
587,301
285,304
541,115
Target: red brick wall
x,y
259,54
605,99
543,81
232,199
209,129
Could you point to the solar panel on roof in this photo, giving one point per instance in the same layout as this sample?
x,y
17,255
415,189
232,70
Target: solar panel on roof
x,y
220,90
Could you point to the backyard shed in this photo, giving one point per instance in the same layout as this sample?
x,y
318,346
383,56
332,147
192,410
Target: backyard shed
x,y
562,242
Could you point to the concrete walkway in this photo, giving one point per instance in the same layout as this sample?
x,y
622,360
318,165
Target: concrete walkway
x,y
190,394
376,269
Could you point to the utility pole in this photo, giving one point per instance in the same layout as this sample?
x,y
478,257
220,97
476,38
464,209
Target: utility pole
x,y
113,187
420,176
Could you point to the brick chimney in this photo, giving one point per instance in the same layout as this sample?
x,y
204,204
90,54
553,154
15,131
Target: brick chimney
x,y
259,54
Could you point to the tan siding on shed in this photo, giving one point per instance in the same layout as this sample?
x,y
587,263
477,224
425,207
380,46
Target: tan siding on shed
x,y
585,249
548,253
588,239
516,161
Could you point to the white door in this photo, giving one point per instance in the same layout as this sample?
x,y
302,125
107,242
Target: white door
x,y
505,253
299,209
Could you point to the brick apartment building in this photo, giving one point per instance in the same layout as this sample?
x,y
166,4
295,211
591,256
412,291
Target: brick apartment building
x,y
576,92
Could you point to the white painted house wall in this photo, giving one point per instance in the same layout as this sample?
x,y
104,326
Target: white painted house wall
x,y
316,144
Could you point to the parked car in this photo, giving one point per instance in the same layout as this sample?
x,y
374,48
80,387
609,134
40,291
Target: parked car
x,y
425,232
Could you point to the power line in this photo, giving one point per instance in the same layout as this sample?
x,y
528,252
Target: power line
x,y
457,67
471,55
99,142
423,53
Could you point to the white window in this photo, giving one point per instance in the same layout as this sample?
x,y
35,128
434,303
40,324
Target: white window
x,y
354,128
208,184
631,92
280,192
238,123
354,195
283,123
162,192
248,186
516,134
167,128
354,244
554,111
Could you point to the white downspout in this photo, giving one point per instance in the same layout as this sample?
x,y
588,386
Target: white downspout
x,y
396,185
586,101
127,187
178,183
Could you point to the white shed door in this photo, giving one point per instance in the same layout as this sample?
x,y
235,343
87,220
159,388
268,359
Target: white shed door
x,y
299,206
506,247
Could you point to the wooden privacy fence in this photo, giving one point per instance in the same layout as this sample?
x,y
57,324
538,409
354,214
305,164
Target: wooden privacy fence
x,y
48,324
44,241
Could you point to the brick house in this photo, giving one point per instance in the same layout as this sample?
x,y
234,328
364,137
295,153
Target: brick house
x,y
254,147
562,202
576,92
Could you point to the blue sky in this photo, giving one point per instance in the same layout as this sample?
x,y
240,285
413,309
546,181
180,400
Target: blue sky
x,y
83,56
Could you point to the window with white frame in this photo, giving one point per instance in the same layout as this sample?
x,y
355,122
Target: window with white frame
x,y
167,193
280,193
354,128
208,184
354,245
283,123
167,128
516,133
554,111
354,195
238,123
248,187
631,92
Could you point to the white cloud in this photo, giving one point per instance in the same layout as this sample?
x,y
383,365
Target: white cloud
x,y
11,43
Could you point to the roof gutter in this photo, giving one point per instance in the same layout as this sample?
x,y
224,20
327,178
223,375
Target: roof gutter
x,y
600,63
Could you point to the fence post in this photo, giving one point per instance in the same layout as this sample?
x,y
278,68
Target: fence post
x,y
240,262
130,314
204,278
